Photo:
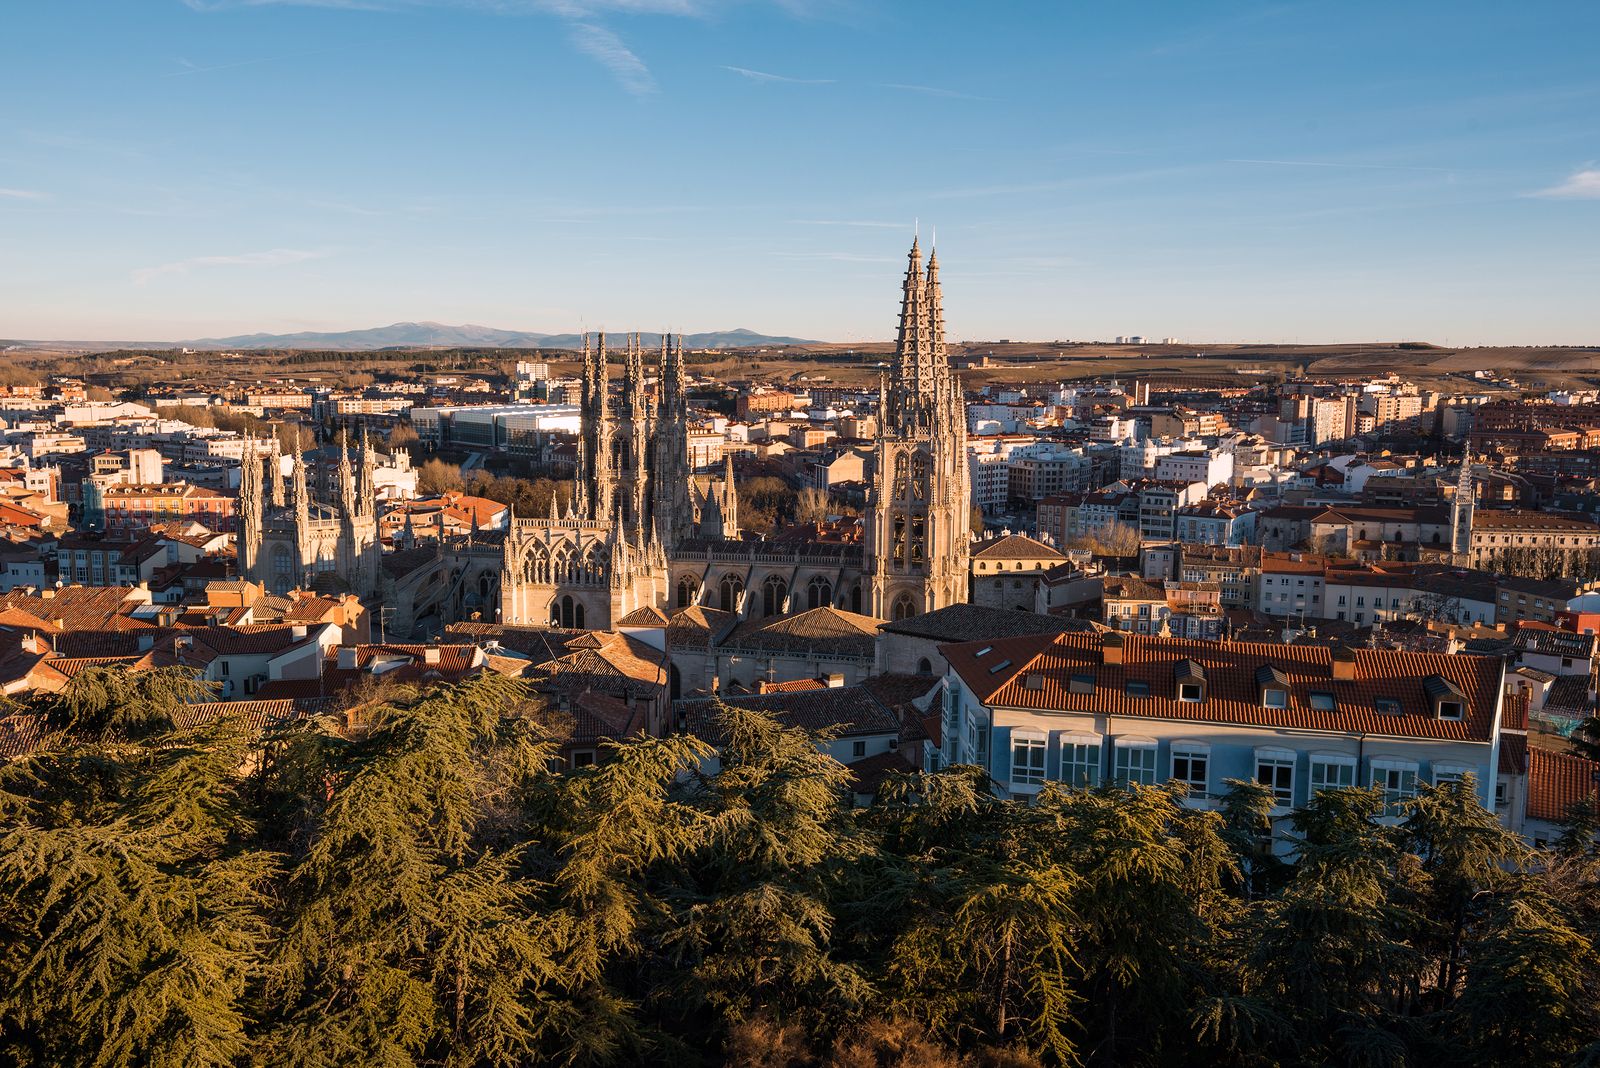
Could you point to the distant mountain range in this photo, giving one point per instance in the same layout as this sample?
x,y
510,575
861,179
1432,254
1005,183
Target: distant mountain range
x,y
443,335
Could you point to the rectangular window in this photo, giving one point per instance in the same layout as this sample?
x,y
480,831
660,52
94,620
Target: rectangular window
x,y
1449,709
1277,773
1443,773
1136,764
1027,761
1137,688
858,749
1080,764
1190,765
1189,692
1329,774
1275,698
1397,781
1322,701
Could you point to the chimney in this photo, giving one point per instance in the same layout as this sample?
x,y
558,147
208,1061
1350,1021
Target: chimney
x,y
1111,648
430,655
298,632
835,681
1344,663
347,658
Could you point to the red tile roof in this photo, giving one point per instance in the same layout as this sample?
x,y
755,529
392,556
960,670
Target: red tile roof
x,y
1556,781
999,674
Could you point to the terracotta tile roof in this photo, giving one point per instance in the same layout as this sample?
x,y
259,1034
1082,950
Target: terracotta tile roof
x,y
852,709
868,773
648,616
1515,519
818,630
792,686
606,661
254,715
23,733
1569,694
1513,754
1035,673
697,627
1556,781
1131,588
1015,547
589,718
965,622
1553,642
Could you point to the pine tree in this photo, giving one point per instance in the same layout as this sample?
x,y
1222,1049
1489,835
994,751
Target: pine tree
x,y
407,937
1465,855
1331,953
754,921
134,914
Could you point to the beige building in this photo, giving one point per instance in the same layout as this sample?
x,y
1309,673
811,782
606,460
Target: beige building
x,y
1006,572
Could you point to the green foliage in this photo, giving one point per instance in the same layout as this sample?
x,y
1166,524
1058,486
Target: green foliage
x,y
421,888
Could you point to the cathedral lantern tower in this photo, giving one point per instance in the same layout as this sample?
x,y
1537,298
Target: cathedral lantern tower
x,y
919,497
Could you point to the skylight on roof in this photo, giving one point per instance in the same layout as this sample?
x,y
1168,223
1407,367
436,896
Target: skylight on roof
x,y
1000,667
985,651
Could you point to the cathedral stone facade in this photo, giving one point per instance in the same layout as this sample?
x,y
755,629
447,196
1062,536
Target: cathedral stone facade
x,y
291,541
645,532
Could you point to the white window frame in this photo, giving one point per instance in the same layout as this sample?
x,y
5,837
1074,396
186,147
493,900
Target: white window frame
x,y
1320,765
1387,771
1191,752
1278,759
1124,764
1267,694
1451,772
1081,764
1199,692
1034,746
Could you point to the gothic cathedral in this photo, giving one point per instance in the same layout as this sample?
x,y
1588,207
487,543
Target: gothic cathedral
x,y
645,532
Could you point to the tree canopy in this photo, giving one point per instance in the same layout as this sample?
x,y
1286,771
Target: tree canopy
x,y
435,887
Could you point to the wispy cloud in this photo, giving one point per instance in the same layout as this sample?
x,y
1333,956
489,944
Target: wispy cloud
x,y
1582,185
275,257
23,194
835,257
763,77
1343,166
930,90
607,49
862,223
587,36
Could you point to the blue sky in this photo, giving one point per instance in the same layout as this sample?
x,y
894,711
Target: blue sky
x,y
1214,171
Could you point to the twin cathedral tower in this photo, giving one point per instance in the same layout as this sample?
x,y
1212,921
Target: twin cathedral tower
x,y
644,533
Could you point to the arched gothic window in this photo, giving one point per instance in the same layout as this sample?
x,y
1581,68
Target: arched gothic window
x,y
904,607
732,586
819,593
282,569
774,591
685,591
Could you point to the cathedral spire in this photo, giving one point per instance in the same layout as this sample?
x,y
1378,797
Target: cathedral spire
x,y
279,495
366,481
911,340
347,480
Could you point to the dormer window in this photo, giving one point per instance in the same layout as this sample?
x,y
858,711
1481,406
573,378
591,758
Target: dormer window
x,y
1081,683
1273,685
1190,677
1445,696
